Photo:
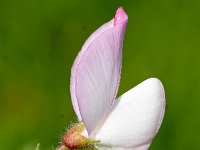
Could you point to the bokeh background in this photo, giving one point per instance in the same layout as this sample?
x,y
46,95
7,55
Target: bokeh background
x,y
39,40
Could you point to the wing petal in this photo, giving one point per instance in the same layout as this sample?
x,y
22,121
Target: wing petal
x,y
136,117
96,73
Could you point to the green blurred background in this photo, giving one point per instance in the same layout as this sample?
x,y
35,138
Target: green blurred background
x,y
39,40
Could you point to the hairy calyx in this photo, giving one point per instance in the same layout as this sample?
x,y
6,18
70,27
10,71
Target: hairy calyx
x,y
73,140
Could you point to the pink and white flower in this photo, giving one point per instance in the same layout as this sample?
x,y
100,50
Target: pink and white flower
x,y
128,122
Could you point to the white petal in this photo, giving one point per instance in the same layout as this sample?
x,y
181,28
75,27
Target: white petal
x,y
136,117
143,147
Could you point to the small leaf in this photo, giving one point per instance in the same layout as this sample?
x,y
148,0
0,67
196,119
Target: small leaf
x,y
37,147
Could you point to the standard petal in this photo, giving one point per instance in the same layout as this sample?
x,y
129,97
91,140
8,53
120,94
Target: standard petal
x,y
96,72
136,117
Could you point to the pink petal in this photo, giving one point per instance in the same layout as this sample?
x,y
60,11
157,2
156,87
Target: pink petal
x,y
96,72
136,117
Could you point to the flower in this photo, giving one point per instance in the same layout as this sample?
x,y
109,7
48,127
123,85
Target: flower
x,y
129,122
